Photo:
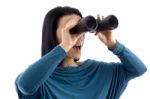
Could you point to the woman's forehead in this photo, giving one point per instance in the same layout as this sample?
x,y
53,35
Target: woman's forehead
x,y
66,17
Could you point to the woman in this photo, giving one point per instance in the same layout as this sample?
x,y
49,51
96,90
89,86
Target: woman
x,y
60,75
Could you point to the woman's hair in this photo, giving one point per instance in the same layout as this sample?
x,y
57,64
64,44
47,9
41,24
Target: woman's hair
x,y
49,39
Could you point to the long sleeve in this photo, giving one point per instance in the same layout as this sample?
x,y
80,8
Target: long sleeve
x,y
33,77
131,64
91,80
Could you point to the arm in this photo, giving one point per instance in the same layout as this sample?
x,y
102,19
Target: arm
x,y
37,73
132,65
31,79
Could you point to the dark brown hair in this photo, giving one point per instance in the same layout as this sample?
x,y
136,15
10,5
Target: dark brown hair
x,y
49,39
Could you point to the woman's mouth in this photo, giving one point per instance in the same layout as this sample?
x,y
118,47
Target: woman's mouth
x,y
77,48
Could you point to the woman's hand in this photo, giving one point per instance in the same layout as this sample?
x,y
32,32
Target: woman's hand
x,y
68,40
106,36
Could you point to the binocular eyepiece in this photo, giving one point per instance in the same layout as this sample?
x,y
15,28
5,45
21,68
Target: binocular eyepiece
x,y
90,24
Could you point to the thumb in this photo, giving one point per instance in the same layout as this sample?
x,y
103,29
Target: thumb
x,y
80,35
100,36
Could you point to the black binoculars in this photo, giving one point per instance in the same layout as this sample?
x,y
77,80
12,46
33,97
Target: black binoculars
x,y
90,24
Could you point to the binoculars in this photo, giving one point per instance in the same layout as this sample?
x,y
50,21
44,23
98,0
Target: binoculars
x,y
90,24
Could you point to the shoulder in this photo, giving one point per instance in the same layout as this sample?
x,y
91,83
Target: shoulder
x,y
95,62
91,63
103,64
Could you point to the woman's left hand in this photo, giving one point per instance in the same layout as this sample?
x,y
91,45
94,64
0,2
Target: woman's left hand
x,y
106,37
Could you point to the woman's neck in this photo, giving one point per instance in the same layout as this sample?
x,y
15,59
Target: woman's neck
x,y
69,62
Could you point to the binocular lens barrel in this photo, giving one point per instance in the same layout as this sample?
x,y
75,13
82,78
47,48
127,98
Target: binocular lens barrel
x,y
108,23
90,24
87,24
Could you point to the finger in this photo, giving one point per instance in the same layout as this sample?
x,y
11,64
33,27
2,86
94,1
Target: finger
x,y
72,22
97,33
102,17
100,36
80,35
98,17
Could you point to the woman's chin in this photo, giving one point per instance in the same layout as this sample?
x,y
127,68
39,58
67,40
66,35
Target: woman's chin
x,y
74,56
74,53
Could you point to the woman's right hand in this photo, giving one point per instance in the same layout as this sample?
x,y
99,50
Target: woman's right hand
x,y
68,40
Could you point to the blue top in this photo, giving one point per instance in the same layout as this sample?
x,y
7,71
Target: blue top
x,y
93,79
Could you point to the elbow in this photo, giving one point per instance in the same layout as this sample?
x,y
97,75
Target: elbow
x,y
136,72
24,87
142,71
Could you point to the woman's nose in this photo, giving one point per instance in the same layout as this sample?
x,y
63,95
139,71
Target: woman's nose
x,y
81,39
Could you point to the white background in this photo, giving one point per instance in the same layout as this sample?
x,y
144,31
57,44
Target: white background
x,y
21,29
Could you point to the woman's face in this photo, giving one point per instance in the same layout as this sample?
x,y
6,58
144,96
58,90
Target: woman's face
x,y
75,51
